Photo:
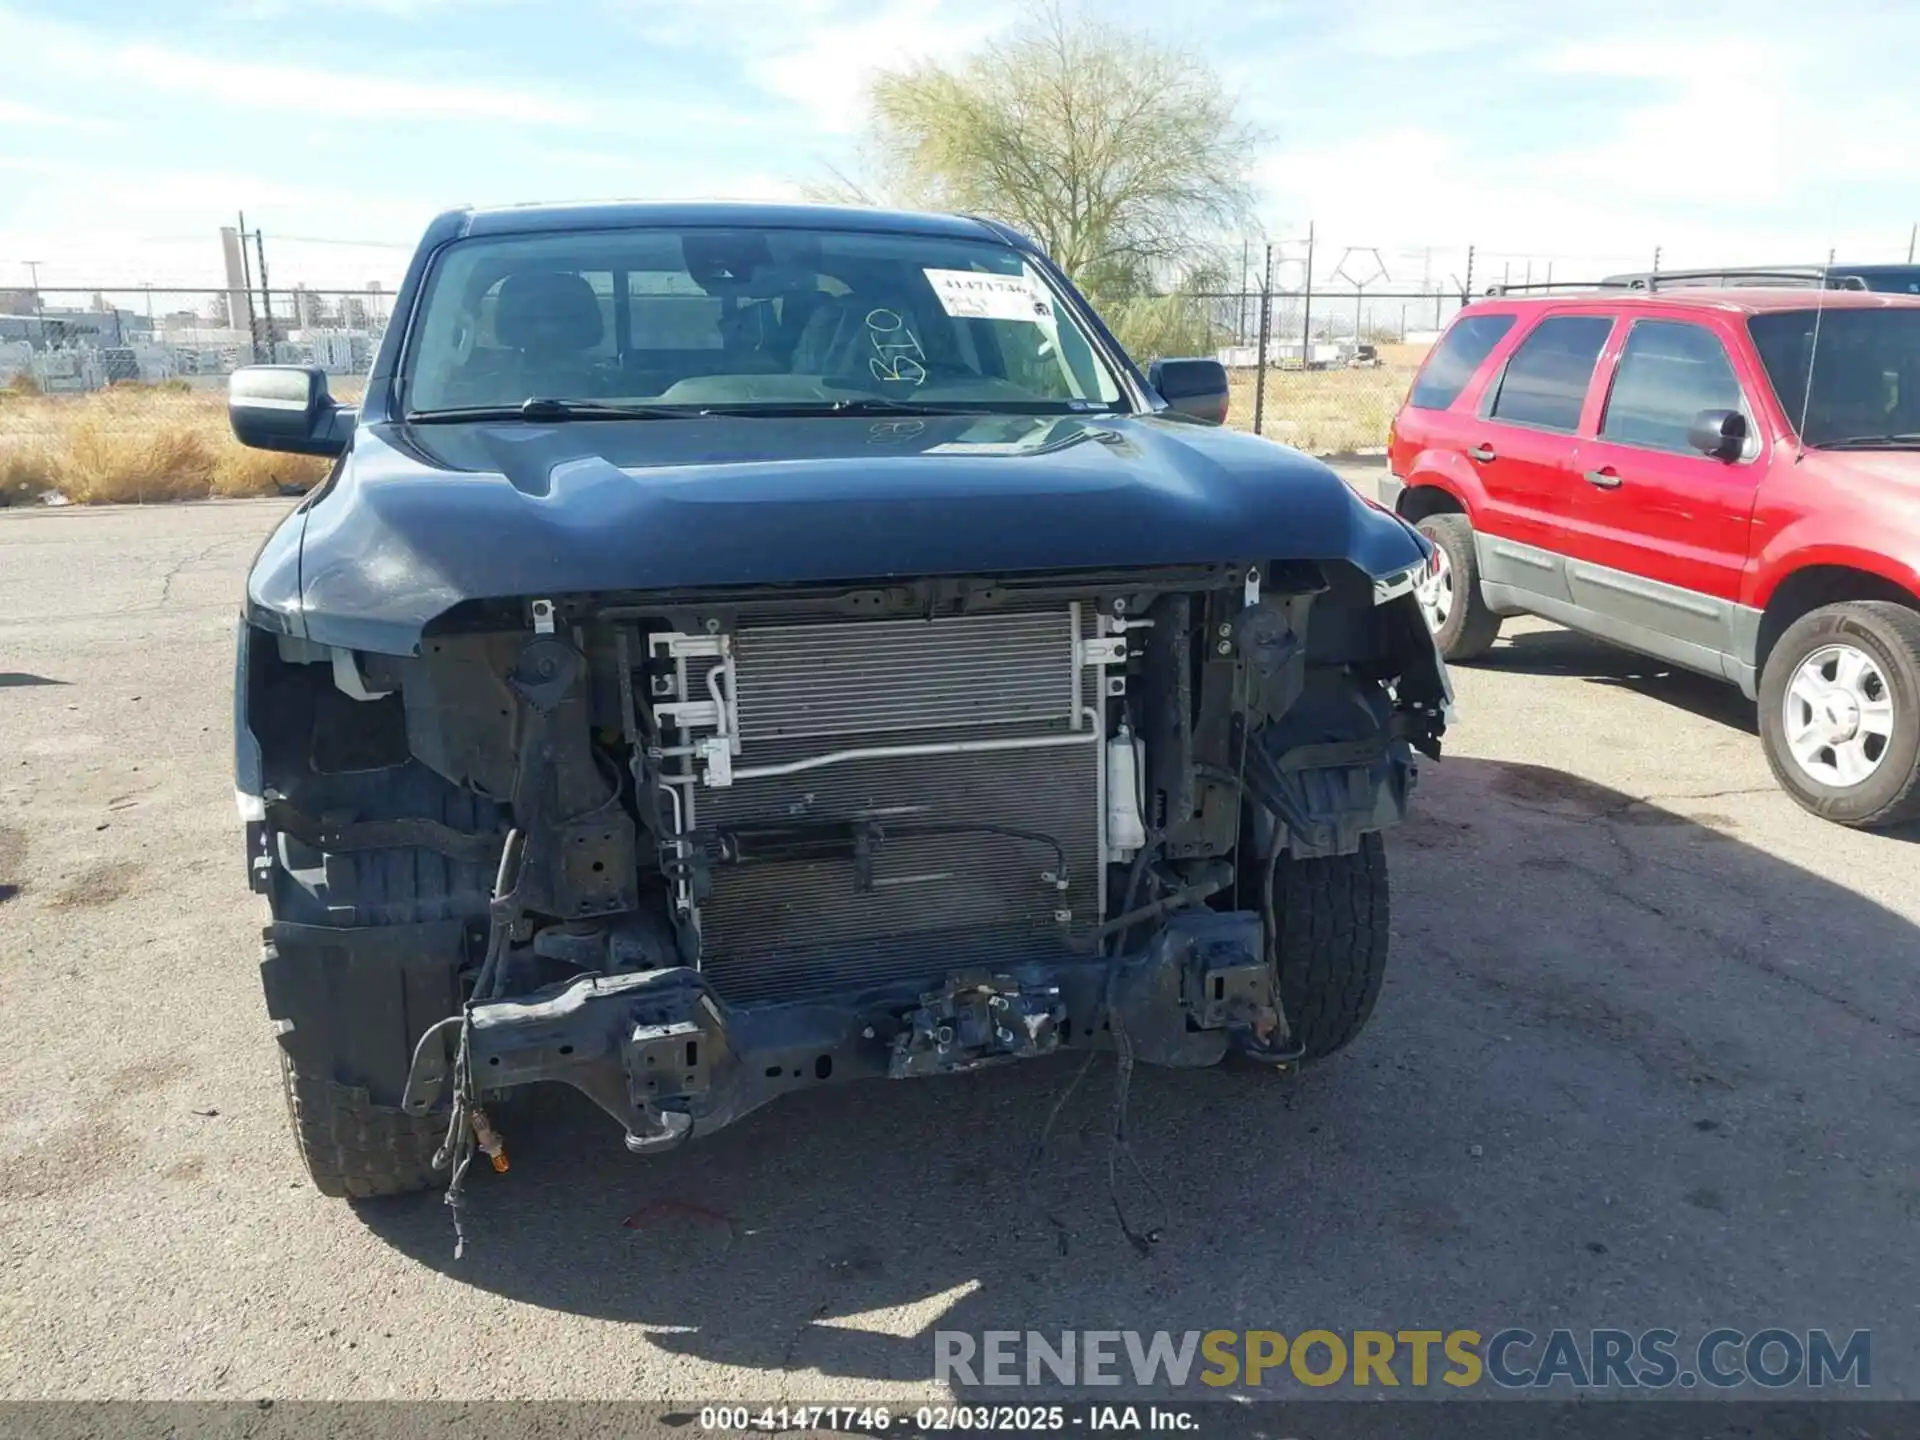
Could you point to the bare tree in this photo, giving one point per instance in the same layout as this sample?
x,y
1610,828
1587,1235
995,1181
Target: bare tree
x,y
1124,158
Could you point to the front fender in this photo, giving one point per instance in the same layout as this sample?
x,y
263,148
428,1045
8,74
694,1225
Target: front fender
x,y
273,580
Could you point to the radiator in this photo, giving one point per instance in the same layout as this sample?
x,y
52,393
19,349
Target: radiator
x,y
937,903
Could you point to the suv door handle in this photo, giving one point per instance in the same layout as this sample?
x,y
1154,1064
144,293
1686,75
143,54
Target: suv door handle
x,y
1606,478
1482,453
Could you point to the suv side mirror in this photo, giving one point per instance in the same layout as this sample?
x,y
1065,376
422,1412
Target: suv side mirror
x,y
289,408
1192,387
1719,433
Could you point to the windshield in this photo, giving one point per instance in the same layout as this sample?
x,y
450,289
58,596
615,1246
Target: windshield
x,y
748,319
1866,374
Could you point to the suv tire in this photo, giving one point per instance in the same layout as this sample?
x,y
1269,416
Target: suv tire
x,y
1840,692
1330,945
1463,627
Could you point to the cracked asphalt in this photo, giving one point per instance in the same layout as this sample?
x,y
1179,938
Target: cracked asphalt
x,y
1646,1056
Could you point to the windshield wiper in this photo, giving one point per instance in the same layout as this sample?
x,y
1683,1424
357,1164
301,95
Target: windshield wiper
x,y
784,409
1872,442
539,407
879,405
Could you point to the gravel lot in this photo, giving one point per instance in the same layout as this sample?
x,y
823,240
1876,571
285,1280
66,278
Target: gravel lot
x,y
1646,1057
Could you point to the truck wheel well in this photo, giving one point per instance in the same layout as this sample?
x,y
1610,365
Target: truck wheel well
x,y
306,726
1419,501
1808,589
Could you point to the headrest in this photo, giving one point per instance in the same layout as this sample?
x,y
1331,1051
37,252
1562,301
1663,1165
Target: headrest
x,y
548,312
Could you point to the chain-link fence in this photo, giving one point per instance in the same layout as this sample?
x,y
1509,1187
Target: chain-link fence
x,y
1323,369
119,395
77,339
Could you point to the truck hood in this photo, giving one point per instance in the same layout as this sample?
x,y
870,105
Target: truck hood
x,y
423,517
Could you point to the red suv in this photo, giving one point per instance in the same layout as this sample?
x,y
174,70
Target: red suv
x,y
1728,479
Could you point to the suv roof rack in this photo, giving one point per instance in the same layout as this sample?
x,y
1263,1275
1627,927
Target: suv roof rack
x,y
1810,276
1550,287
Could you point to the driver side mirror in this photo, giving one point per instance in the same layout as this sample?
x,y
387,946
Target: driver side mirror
x,y
1197,388
287,408
1719,433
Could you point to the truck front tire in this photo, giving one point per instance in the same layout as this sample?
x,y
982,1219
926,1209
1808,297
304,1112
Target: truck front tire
x,y
353,1148
1330,944
365,954
1331,948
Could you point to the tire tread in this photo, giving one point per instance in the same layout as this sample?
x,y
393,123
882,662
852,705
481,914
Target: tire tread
x,y
1478,626
1332,916
354,1149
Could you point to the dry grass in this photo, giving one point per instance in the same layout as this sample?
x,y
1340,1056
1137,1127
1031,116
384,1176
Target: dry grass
x,y
239,472
1325,412
103,463
134,445
23,474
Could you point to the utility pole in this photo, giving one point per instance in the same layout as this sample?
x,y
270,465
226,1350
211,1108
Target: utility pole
x,y
266,295
1306,305
1912,235
1656,259
1467,289
33,270
1246,273
1260,358
246,278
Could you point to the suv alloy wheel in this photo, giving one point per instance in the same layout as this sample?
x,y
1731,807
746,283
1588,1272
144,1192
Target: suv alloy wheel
x,y
1840,712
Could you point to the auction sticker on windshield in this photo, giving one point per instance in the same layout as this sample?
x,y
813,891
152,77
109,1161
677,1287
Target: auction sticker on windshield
x,y
976,295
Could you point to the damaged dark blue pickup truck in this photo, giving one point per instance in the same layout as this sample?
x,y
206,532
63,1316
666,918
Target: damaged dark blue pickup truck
x,y
741,648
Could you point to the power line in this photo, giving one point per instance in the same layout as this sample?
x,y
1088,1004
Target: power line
x,y
363,244
303,239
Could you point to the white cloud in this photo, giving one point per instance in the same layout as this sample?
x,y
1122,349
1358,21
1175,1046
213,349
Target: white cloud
x,y
18,112
1414,29
1719,148
244,82
828,67
42,49
574,175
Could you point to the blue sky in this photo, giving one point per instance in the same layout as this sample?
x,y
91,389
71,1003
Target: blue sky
x,y
1581,133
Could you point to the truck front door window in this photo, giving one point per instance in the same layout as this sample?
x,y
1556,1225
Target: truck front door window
x,y
1669,372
